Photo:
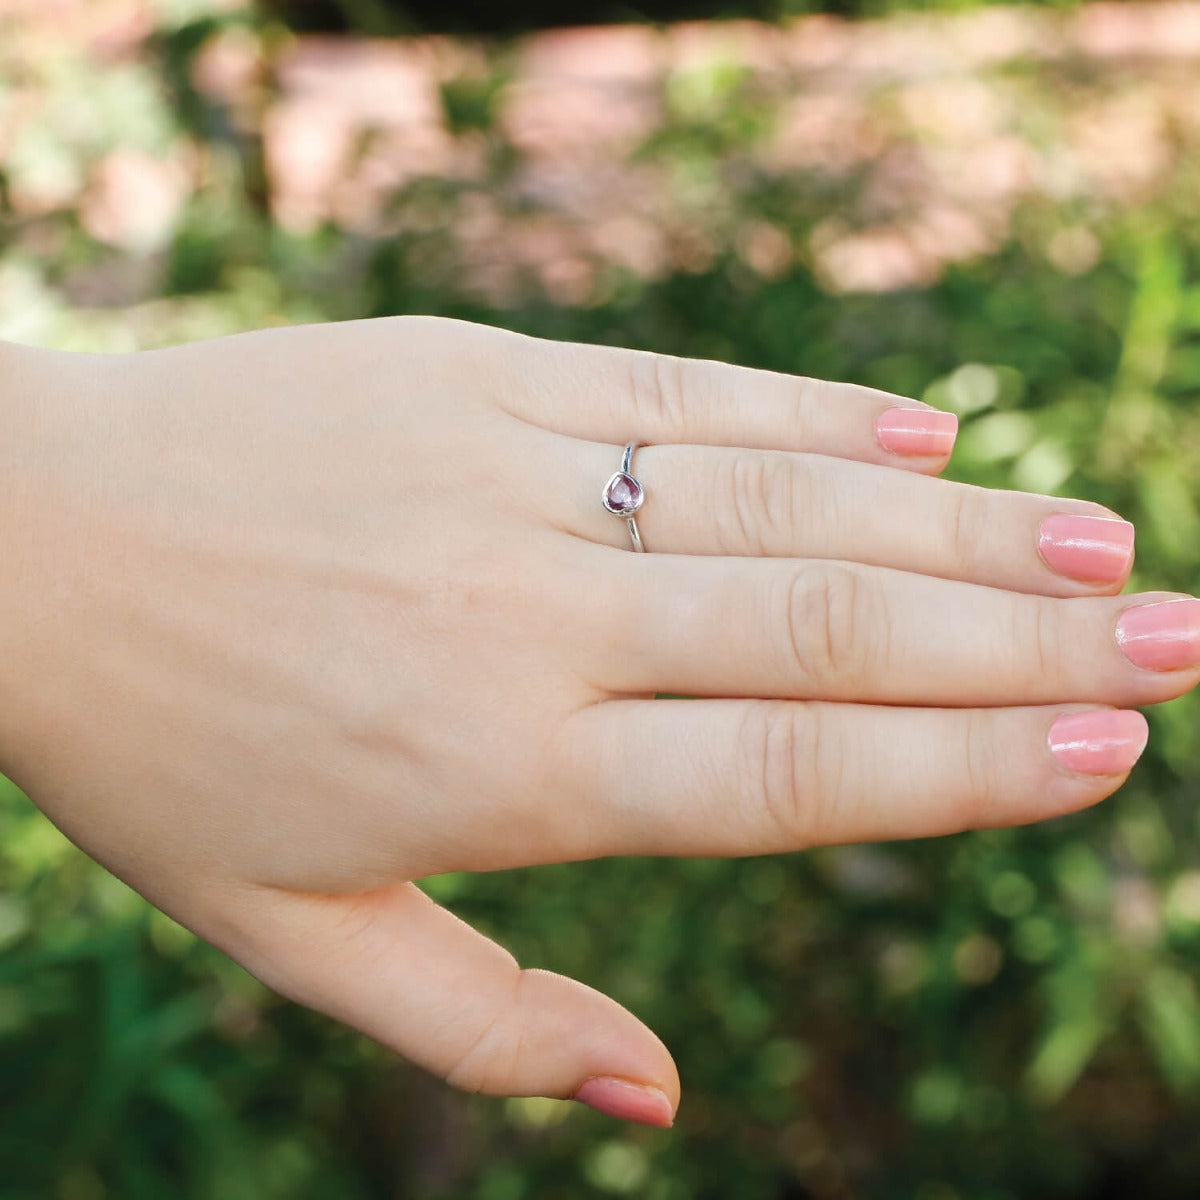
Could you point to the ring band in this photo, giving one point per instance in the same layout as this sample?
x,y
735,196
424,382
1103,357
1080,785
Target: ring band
x,y
624,495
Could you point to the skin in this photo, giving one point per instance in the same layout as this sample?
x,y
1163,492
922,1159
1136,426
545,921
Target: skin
x,y
296,618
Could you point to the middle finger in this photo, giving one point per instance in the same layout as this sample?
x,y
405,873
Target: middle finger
x,y
744,627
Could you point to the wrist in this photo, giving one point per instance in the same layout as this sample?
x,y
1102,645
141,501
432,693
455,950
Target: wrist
x,y
49,446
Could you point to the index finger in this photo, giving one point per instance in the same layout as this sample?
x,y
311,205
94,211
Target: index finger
x,y
733,777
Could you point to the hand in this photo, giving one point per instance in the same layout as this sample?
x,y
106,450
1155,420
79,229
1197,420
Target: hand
x,y
298,617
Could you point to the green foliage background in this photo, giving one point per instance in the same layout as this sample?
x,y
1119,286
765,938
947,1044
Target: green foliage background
x,y
990,1016
400,17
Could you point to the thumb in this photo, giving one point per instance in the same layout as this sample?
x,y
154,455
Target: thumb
x,y
411,975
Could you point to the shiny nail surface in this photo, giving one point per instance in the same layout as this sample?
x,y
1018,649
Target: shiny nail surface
x,y
627,1101
1093,549
924,432
1163,636
1099,743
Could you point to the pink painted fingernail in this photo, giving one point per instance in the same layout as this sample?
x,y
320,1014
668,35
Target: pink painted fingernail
x,y
1163,636
917,431
1093,549
1099,743
627,1101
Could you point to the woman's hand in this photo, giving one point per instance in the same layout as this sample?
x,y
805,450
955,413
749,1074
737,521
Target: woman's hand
x,y
297,617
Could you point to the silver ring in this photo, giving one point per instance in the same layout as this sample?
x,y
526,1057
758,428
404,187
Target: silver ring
x,y
624,495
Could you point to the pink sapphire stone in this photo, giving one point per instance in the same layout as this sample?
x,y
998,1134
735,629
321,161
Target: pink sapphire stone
x,y
623,495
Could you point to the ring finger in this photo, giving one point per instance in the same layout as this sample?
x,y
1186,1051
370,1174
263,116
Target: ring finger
x,y
770,503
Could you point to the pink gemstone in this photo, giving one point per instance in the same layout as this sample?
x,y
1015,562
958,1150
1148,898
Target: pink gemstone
x,y
623,495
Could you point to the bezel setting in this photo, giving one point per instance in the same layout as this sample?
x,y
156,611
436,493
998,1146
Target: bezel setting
x,y
632,499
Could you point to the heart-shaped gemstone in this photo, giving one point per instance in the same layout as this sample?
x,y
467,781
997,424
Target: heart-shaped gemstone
x,y
623,495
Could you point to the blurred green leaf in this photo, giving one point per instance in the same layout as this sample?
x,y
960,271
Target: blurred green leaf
x,y
1063,1055
1170,1016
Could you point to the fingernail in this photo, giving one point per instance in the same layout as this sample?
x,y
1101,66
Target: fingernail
x,y
917,431
1093,549
1163,636
627,1101
1099,743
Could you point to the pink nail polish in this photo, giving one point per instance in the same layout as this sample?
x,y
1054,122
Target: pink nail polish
x,y
1099,743
627,1101
1093,549
1163,636
917,432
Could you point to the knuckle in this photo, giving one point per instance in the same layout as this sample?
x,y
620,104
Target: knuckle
x,y
829,634
492,1056
795,776
1045,640
981,767
656,386
1035,634
969,520
756,517
779,746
